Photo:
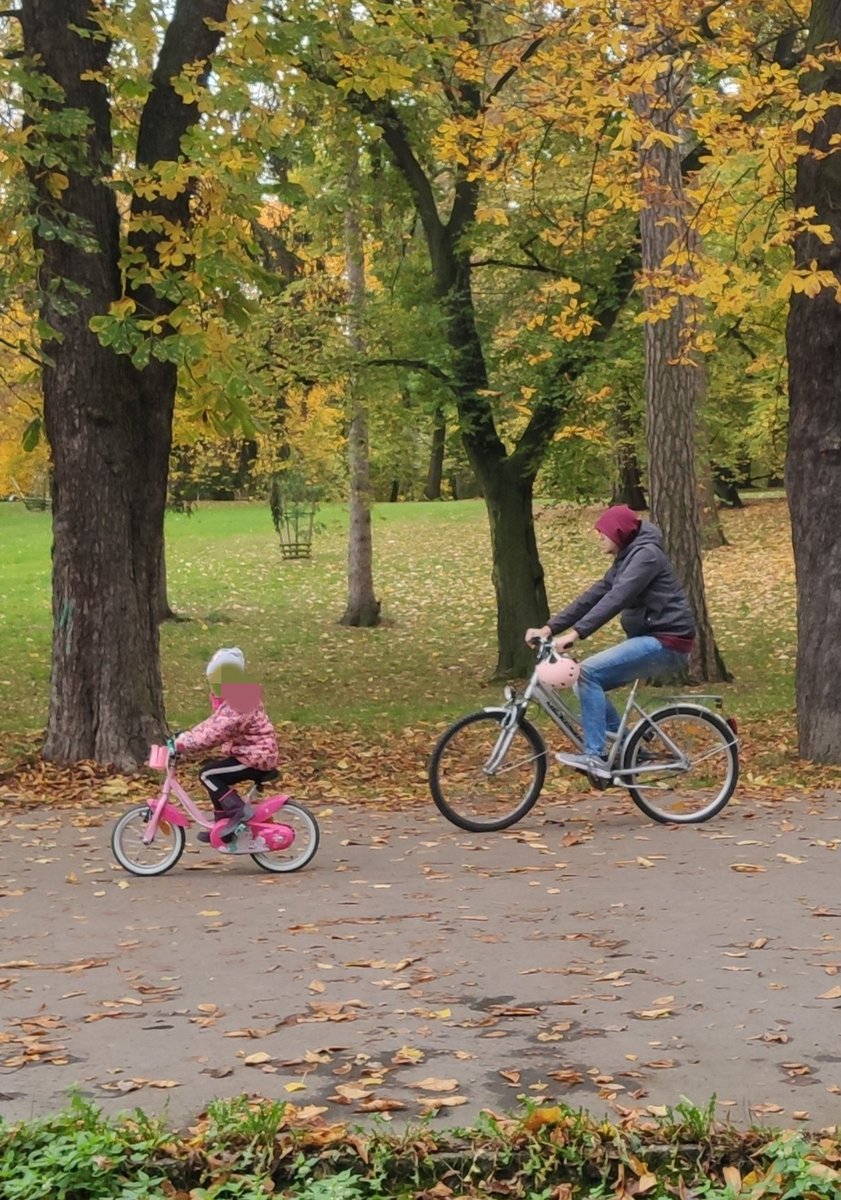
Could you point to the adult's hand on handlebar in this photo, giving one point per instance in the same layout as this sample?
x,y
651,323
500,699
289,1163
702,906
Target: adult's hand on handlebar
x,y
533,636
566,640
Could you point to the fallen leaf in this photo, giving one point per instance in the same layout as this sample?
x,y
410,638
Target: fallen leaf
x,y
430,1103
436,1085
407,1054
376,1104
347,1093
747,868
733,1178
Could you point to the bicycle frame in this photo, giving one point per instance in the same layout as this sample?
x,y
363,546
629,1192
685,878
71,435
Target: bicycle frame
x,y
564,719
163,810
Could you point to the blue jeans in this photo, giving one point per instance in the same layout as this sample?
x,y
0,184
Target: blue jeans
x,y
636,658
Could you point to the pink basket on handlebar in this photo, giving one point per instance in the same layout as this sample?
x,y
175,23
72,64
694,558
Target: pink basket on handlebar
x,y
159,758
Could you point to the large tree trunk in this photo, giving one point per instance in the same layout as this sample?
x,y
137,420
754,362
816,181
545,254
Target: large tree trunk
x,y
108,424
674,379
363,608
813,469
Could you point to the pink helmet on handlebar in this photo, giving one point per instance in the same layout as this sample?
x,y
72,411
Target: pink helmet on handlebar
x,y
558,671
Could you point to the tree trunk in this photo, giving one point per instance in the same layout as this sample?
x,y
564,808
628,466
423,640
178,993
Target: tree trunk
x,y
673,377
363,608
628,487
813,469
165,613
712,533
435,473
108,424
517,573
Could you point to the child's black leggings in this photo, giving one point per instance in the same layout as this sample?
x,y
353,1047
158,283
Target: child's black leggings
x,y
219,775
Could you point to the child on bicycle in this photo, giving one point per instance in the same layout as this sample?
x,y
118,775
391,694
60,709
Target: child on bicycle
x,y
240,728
655,613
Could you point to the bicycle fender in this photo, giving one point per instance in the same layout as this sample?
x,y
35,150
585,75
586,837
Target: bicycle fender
x,y
265,808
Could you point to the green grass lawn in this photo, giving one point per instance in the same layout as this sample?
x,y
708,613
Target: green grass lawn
x,y
432,656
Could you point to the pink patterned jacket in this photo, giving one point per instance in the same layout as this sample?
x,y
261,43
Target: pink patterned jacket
x,y
250,737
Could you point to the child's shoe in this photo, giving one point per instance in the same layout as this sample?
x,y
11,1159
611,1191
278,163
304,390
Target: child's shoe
x,y
204,834
236,810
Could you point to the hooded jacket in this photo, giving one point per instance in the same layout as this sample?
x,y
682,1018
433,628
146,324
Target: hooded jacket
x,y
641,585
250,737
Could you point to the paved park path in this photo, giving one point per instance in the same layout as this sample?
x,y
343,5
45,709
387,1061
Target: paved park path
x,y
585,956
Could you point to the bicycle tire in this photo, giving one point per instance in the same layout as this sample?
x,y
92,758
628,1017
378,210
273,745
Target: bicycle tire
x,y
127,843
455,770
672,805
283,862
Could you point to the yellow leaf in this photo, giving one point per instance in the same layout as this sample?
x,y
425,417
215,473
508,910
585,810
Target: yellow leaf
x,y
407,1054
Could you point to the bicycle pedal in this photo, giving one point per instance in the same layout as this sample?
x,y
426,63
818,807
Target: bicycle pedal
x,y
599,782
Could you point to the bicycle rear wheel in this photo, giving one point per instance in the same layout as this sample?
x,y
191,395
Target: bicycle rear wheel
x,y
697,754
303,848
133,855
478,782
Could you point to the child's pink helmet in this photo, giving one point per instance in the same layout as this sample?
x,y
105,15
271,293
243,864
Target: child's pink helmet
x,y
558,671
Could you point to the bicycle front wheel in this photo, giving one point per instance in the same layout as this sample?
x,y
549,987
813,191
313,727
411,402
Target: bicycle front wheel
x,y
131,852
302,850
484,775
687,761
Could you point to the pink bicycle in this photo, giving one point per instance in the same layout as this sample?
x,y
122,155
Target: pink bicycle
x,y
279,834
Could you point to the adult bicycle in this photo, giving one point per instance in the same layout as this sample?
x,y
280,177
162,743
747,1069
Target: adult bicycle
x,y
679,762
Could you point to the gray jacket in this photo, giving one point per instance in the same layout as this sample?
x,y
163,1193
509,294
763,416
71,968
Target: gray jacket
x,y
641,585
